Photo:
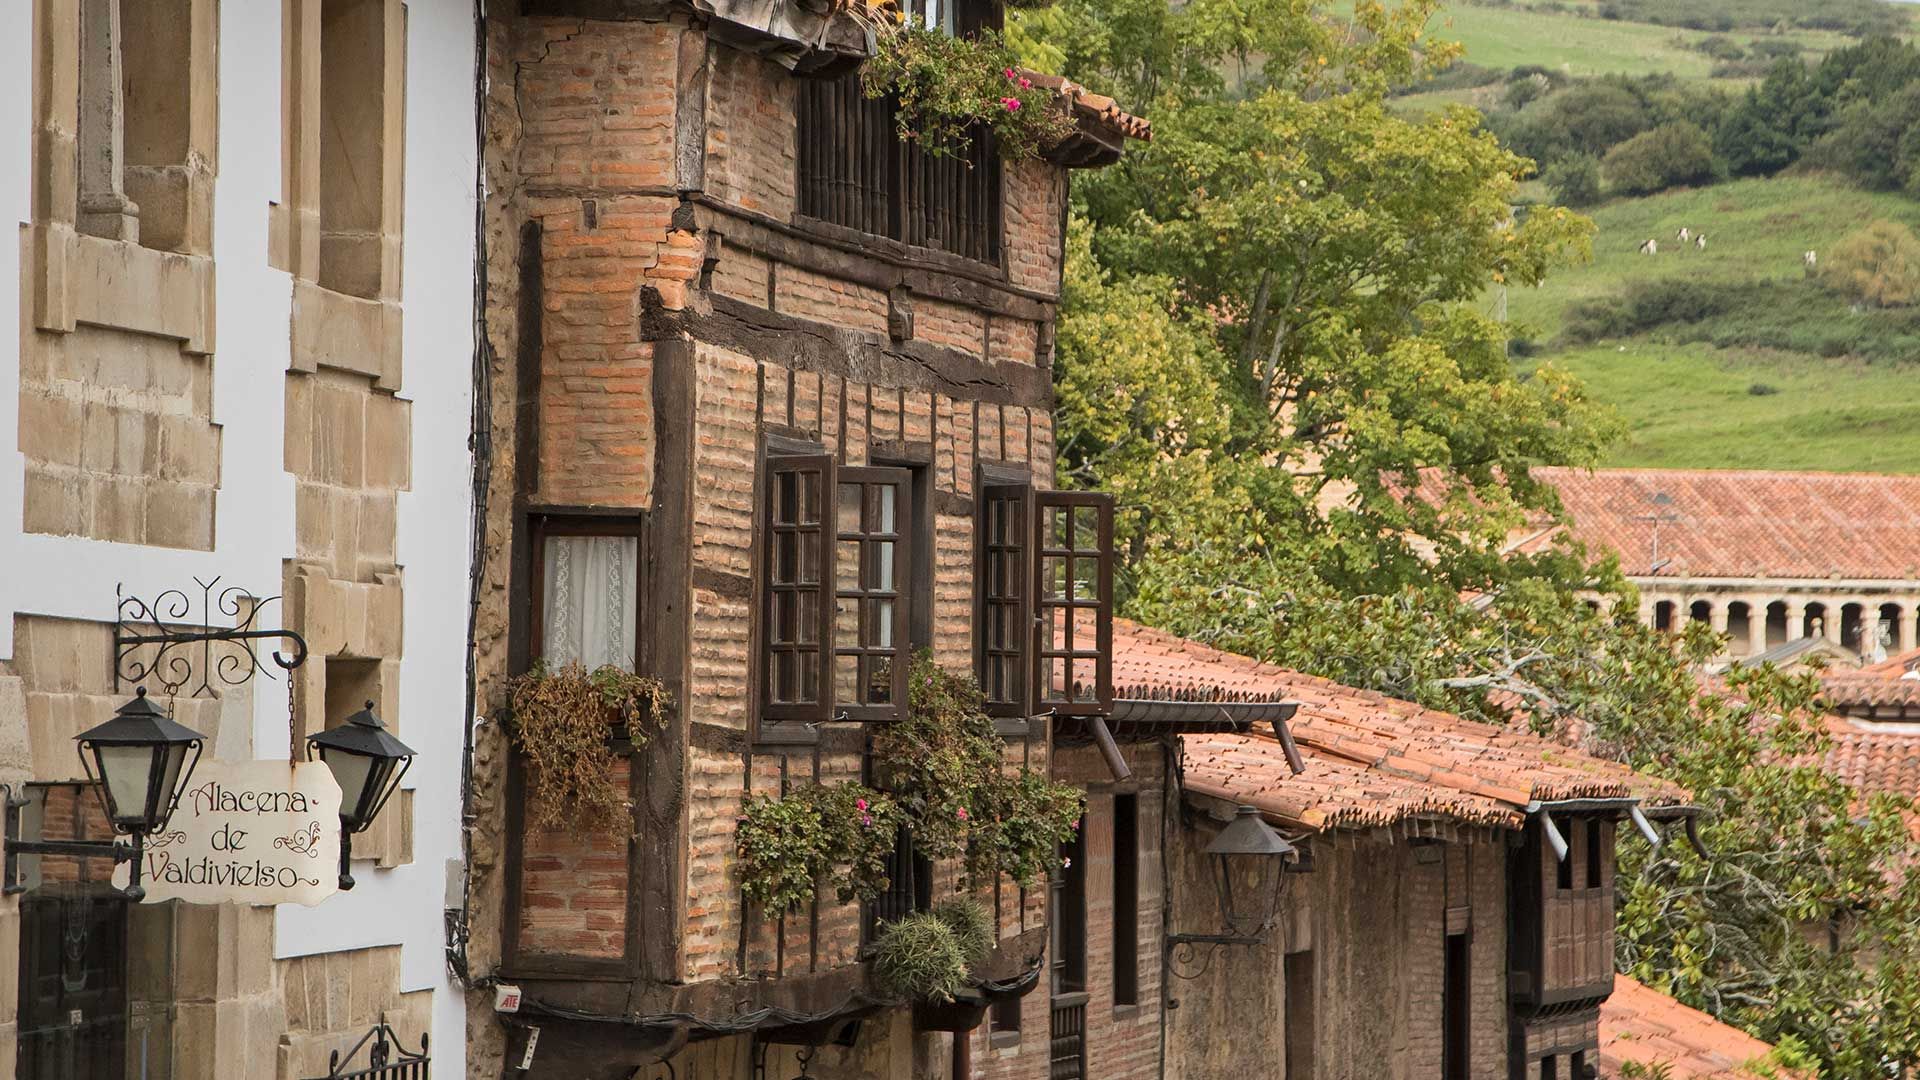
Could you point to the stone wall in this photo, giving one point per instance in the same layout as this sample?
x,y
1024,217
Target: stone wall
x,y
1373,913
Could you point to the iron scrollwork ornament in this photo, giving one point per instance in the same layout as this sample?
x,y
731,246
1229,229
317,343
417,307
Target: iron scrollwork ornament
x,y
154,641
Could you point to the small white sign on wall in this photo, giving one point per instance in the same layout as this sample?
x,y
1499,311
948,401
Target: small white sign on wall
x,y
253,832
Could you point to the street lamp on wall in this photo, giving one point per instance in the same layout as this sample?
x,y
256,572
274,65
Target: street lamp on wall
x,y
367,762
1248,860
140,762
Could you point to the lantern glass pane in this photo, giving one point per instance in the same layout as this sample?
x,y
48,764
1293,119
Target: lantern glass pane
x,y
127,773
351,771
170,777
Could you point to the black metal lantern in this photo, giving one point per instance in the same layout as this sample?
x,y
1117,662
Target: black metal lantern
x,y
140,760
1250,851
367,762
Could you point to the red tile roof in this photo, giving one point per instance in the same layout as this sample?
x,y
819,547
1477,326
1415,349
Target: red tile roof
x,y
1874,759
1735,523
1894,681
1372,760
1641,1025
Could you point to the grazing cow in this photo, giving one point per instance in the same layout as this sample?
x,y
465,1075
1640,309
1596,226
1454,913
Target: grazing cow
x,y
1700,241
1809,260
1651,247
1685,234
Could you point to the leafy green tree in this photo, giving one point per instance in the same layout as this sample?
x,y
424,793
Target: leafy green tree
x,y
1879,265
1314,264
1800,925
1668,156
1774,124
1574,180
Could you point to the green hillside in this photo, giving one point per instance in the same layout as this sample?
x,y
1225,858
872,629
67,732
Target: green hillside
x,y
1733,356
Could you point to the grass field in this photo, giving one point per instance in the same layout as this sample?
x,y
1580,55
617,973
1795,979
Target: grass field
x,y
1756,229
1692,407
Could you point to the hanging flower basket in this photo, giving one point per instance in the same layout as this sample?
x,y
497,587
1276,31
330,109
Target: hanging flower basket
x,y
570,726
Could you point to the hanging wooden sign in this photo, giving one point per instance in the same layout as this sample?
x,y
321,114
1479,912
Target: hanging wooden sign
x,y
254,832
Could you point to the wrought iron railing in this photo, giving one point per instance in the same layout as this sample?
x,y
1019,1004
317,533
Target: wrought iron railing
x,y
387,1058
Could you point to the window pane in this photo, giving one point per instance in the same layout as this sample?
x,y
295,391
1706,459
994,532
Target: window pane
x,y
784,605
1053,577
808,630
846,566
884,509
784,683
883,567
848,519
589,600
880,624
1086,578
809,679
846,678
879,681
1086,528
809,498
786,498
809,558
1059,526
785,557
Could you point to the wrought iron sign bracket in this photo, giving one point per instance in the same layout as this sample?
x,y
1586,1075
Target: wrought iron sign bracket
x,y
154,641
14,803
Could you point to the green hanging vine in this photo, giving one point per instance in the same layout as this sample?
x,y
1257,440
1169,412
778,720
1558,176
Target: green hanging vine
x,y
940,772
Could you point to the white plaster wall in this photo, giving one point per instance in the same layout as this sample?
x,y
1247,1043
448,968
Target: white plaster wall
x,y
254,527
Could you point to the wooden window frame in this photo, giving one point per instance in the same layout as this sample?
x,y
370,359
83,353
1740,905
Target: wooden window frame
x,y
1072,650
902,537
780,463
536,523
541,526
1008,563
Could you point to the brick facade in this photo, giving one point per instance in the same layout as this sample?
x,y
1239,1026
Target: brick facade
x,y
656,311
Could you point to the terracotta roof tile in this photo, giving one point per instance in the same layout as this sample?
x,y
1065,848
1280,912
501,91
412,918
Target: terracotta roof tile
x,y
1874,759
1098,108
1735,523
1647,1027
1372,760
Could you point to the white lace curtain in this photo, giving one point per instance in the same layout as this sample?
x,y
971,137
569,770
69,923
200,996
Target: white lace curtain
x,y
588,600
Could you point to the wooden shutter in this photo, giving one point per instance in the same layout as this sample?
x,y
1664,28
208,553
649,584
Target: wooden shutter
x,y
872,571
1073,598
1003,530
798,569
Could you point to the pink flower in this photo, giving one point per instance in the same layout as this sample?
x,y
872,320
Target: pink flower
x,y
1066,864
1012,103
859,804
963,813
1026,83
866,820
1010,75
1076,826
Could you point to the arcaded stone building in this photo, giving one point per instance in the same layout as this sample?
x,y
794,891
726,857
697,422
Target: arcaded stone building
x,y
241,337
1766,558
724,300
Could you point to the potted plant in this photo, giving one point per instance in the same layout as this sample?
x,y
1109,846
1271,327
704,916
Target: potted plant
x,y
571,726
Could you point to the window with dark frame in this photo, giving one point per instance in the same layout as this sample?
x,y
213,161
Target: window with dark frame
x,y
1005,531
1068,926
1126,899
1298,975
799,621
586,583
1456,1010
872,559
1073,565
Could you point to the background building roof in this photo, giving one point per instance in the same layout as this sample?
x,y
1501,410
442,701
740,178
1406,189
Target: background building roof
x,y
1733,523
